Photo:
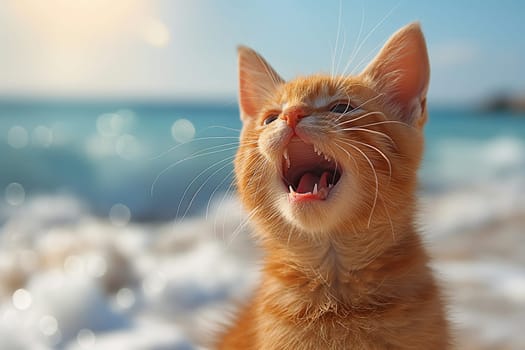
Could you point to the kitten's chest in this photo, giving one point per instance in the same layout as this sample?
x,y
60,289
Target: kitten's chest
x,y
315,319
331,331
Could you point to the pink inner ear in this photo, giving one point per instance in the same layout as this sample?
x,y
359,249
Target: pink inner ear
x,y
257,82
414,73
247,94
401,70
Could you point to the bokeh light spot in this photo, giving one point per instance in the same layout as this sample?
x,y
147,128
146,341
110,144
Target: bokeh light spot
x,y
128,147
98,146
183,130
125,298
73,265
48,325
154,284
86,338
127,115
15,194
17,137
109,124
22,299
119,214
42,136
96,266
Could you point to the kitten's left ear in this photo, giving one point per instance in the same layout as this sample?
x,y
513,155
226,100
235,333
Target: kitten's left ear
x,y
257,82
401,71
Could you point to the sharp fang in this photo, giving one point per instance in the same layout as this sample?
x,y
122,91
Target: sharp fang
x,y
330,185
286,157
291,189
315,189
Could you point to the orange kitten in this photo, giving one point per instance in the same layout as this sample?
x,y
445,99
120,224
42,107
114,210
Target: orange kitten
x,y
327,170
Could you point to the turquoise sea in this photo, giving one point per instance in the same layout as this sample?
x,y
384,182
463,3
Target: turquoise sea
x,y
164,160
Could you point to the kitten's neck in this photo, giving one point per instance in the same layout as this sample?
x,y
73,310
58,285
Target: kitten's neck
x,y
345,272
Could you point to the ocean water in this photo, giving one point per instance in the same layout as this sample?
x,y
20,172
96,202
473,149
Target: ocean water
x,y
168,160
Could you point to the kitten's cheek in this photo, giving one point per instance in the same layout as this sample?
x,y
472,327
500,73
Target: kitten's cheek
x,y
272,146
270,155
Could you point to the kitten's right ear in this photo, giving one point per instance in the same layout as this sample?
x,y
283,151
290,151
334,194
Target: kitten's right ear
x,y
257,81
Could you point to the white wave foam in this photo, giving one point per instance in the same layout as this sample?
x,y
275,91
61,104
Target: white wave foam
x,y
460,162
180,273
177,272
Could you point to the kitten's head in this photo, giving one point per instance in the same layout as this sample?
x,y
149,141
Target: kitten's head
x,y
319,153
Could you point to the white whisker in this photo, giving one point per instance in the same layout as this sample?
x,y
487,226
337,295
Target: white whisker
x,y
223,128
388,122
231,173
375,178
227,160
373,31
195,155
378,151
359,106
370,131
334,53
349,155
242,225
361,117
192,141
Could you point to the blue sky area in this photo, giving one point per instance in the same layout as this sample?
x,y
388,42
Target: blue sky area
x,y
186,49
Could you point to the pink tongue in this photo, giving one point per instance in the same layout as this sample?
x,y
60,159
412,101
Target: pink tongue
x,y
308,180
306,184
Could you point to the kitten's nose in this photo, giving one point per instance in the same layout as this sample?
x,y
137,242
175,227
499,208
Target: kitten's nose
x,y
292,115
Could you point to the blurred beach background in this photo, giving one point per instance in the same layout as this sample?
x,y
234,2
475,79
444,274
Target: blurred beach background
x,y
119,224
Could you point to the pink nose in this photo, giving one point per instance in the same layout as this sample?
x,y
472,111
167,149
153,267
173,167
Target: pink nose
x,y
292,115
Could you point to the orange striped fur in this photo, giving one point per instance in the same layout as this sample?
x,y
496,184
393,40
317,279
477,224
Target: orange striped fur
x,y
348,271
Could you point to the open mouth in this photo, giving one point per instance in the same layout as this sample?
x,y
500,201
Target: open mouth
x,y
308,173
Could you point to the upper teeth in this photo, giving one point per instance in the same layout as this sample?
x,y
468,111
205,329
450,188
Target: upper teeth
x,y
319,152
316,150
285,155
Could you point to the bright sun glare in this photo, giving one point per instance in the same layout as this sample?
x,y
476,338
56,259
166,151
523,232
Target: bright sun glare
x,y
66,45
87,23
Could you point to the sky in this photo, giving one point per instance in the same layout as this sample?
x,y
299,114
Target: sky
x,y
174,49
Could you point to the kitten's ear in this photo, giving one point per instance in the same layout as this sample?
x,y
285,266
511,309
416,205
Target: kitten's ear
x,y
401,71
257,81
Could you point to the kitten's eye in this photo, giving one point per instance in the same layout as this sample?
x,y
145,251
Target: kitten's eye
x,y
270,119
342,108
